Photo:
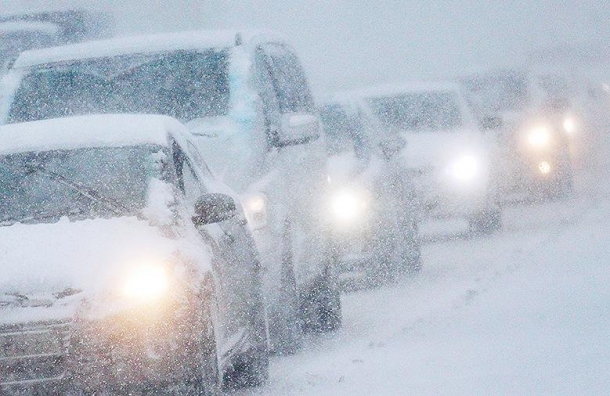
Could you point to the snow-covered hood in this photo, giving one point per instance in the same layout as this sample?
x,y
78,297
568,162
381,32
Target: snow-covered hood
x,y
433,150
53,259
346,168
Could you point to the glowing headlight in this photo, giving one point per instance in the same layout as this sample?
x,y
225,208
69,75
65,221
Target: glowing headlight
x,y
146,282
465,168
544,167
539,137
255,207
569,125
346,205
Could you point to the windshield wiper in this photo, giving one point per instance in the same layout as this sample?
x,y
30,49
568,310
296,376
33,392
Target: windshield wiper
x,y
9,220
87,192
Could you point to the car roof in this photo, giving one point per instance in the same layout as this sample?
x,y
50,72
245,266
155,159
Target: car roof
x,y
145,44
103,130
396,89
28,26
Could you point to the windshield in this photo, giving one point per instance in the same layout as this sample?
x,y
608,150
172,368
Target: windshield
x,y
182,84
425,111
343,132
84,183
491,94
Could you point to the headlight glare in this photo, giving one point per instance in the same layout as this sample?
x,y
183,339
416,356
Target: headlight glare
x,y
146,283
465,168
539,137
346,205
569,125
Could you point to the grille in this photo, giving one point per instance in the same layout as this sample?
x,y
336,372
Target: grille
x,y
32,354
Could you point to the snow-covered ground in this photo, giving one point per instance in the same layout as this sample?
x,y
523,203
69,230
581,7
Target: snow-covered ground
x,y
525,311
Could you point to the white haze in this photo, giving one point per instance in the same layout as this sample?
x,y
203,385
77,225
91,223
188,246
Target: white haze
x,y
344,43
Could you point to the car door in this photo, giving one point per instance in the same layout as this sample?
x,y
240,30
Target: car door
x,y
236,276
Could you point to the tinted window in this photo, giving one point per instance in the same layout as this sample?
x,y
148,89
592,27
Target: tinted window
x,y
343,132
289,80
425,111
185,85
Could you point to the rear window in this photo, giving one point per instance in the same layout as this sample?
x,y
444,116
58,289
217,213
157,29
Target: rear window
x,y
420,111
182,84
343,132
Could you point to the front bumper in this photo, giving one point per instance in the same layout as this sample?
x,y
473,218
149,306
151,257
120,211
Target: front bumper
x,y
115,353
33,356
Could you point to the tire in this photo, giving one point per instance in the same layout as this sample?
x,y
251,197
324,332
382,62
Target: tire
x,y
411,250
248,370
321,305
285,322
486,222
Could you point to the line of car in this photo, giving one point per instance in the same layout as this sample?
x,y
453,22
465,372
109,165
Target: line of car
x,y
174,252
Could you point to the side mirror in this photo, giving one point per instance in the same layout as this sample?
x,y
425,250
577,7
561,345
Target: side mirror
x,y
492,123
297,128
214,208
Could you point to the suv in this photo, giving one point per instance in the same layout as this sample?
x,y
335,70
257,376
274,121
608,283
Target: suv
x,y
246,101
536,126
452,158
124,265
373,205
46,27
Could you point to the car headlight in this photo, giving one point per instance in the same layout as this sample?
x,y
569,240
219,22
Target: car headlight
x,y
545,167
539,137
146,283
347,206
569,125
465,168
255,207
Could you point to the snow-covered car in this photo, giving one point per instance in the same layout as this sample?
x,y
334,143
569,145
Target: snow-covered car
x,y
536,126
46,25
125,266
246,100
373,206
452,157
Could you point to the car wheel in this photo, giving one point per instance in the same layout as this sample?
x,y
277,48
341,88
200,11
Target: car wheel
x,y
486,222
321,305
248,370
285,322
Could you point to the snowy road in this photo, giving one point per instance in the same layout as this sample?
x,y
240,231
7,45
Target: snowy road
x,y
522,312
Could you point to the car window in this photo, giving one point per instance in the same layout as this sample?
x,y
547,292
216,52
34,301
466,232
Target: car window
x,y
188,182
182,84
344,131
418,111
288,79
268,96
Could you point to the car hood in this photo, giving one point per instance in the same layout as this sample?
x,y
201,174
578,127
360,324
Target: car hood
x,y
433,150
46,261
346,169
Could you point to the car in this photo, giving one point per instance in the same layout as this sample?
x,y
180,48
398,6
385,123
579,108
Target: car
x,y
126,267
373,205
536,126
246,100
48,25
453,160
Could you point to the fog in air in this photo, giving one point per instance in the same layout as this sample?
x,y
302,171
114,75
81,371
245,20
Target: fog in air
x,y
304,197
344,44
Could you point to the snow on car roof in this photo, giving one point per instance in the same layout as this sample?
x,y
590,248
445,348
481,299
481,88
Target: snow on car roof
x,y
145,44
28,26
396,89
107,130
